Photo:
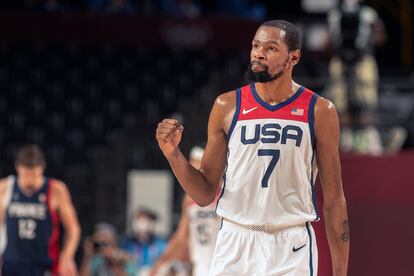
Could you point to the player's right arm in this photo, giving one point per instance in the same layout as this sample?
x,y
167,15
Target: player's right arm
x,y
3,189
201,185
178,245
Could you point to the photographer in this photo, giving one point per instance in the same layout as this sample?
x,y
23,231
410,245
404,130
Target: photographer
x,y
102,257
355,31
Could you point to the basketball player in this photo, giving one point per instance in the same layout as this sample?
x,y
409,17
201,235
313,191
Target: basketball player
x,y
270,137
31,207
197,231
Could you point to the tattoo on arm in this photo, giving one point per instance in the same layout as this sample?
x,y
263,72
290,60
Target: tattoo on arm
x,y
345,233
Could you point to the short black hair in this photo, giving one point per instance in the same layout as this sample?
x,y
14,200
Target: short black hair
x,y
292,37
146,212
30,156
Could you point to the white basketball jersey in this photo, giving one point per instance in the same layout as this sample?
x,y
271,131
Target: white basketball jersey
x,y
5,203
271,166
204,225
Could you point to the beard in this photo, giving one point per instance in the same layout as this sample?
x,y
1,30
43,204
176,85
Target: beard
x,y
263,76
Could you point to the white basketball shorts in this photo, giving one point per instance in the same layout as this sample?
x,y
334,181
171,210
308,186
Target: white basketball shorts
x,y
241,251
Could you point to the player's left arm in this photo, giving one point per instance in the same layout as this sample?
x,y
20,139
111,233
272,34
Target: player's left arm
x,y
68,217
334,209
3,190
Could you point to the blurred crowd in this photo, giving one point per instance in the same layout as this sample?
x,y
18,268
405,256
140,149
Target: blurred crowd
x,y
355,31
252,9
105,252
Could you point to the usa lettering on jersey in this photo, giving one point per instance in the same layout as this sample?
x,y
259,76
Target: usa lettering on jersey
x,y
271,165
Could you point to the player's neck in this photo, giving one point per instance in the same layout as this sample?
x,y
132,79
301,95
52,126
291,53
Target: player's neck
x,y
37,185
277,91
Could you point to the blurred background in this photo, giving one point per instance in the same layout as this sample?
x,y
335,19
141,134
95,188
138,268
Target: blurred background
x,y
88,80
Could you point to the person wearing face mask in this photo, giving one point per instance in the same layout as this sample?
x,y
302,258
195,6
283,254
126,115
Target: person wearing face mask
x,y
144,245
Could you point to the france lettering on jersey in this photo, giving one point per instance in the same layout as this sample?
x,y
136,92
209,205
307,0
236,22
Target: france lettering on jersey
x,y
204,225
32,229
271,165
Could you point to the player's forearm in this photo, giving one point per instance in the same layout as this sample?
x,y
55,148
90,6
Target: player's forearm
x,y
172,252
337,231
72,235
169,252
165,258
174,249
192,180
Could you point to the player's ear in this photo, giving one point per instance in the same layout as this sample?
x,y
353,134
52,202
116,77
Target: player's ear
x,y
17,167
295,57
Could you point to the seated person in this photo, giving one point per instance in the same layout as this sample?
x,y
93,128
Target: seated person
x,y
144,245
101,255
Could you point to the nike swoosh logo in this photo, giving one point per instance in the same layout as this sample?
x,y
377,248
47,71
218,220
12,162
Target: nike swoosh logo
x,y
248,110
294,249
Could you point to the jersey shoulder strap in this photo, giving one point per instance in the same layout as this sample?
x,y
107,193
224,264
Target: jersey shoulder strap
x,y
9,191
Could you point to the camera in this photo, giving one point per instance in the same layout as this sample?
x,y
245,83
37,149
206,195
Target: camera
x,y
99,244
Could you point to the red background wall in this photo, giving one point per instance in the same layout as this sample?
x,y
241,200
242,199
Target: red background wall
x,y
380,198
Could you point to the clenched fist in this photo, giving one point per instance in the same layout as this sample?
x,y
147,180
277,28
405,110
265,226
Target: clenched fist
x,y
168,135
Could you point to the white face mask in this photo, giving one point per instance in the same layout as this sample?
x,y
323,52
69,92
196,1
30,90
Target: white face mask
x,y
143,226
350,5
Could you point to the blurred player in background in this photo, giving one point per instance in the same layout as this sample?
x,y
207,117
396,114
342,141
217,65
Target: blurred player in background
x,y
268,139
196,232
31,208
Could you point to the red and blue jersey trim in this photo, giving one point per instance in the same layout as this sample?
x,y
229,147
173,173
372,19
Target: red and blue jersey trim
x,y
236,113
299,107
295,108
54,237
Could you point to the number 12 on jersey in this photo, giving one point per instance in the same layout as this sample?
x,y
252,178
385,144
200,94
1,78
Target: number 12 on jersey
x,y
275,154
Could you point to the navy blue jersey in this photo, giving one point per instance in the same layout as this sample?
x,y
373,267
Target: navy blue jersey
x,y
32,229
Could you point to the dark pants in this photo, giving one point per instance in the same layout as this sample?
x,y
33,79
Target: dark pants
x,y
16,270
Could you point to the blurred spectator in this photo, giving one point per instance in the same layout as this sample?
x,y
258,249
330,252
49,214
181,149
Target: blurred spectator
x,y
256,10
183,8
189,8
144,245
149,7
112,6
48,6
232,6
354,31
102,257
120,7
251,9
97,5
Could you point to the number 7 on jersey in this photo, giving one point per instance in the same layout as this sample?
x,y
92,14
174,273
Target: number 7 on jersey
x,y
275,158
